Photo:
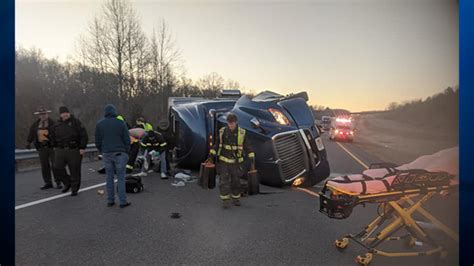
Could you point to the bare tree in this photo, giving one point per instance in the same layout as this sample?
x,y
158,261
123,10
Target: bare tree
x,y
392,106
232,85
165,59
186,88
115,43
211,85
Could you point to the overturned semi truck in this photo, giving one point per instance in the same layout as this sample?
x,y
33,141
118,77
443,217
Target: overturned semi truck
x,y
281,129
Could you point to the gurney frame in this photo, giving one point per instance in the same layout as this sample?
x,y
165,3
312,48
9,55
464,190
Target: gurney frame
x,y
398,207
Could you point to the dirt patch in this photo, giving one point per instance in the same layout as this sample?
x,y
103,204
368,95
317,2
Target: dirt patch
x,y
398,142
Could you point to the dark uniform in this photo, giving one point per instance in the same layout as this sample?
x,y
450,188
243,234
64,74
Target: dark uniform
x,y
154,141
231,149
40,137
68,138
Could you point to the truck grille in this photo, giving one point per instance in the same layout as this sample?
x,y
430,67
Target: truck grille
x,y
290,152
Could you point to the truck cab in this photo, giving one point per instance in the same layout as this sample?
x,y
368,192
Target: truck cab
x,y
281,129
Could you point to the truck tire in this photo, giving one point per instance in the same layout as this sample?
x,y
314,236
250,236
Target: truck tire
x,y
316,177
309,181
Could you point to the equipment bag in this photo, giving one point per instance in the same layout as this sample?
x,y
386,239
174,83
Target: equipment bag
x,y
133,184
253,183
207,175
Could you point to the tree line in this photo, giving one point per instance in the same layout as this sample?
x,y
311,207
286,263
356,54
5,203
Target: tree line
x,y
440,111
117,63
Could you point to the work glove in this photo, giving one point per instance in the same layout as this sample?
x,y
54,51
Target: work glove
x,y
28,146
210,159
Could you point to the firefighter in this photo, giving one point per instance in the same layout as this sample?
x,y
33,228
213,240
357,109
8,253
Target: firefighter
x,y
154,142
69,138
232,148
121,118
39,136
134,149
141,122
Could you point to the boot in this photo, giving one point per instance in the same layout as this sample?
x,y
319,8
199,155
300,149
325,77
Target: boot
x,y
226,204
46,186
236,202
65,189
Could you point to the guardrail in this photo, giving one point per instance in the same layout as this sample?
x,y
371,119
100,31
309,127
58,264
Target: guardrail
x,y
31,154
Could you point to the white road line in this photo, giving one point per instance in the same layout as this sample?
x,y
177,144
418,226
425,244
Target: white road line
x,y
29,204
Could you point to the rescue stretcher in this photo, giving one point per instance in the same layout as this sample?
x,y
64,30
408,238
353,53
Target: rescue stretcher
x,y
400,192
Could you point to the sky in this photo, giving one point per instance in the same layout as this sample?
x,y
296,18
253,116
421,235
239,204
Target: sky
x,y
353,54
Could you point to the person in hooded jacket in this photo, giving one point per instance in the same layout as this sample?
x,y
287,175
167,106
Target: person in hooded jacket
x,y
112,139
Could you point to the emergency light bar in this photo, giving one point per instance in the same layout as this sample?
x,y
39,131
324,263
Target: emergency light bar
x,y
343,120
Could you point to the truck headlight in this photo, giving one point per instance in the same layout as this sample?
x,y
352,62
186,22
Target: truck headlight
x,y
279,117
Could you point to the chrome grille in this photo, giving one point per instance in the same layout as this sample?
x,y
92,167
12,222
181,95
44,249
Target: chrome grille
x,y
291,153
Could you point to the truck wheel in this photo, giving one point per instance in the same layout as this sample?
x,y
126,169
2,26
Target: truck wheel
x,y
310,181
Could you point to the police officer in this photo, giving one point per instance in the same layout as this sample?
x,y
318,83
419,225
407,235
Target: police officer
x,y
39,136
232,148
69,138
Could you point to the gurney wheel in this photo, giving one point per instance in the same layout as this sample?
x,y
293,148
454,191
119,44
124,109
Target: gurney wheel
x,y
341,243
364,259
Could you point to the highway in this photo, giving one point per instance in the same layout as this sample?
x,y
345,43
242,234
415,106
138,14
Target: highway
x,y
279,228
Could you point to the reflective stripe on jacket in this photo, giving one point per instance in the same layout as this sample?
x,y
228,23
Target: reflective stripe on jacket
x,y
232,146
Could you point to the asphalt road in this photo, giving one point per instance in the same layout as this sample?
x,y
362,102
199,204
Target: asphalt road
x,y
284,227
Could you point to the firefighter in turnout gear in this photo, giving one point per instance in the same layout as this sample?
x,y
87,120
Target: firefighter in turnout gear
x,y
141,122
231,150
154,142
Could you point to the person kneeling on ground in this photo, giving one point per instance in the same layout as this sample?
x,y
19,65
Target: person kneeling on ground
x,y
113,141
154,142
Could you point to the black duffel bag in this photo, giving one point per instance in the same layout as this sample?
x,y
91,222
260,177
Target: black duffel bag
x,y
133,184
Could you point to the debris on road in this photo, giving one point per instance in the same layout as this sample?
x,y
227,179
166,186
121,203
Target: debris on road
x,y
178,184
175,215
100,192
185,177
